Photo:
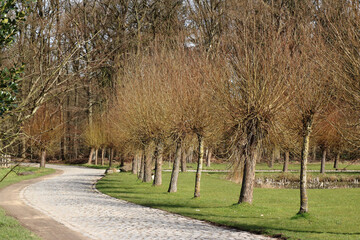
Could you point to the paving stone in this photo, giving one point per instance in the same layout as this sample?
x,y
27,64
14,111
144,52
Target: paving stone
x,y
72,200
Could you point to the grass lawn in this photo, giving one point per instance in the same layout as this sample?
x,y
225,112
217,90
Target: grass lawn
x,y
277,166
167,166
9,227
193,166
296,175
310,166
334,213
95,166
259,166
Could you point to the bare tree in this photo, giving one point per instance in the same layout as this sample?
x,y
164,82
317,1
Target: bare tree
x,y
339,22
43,130
311,84
256,87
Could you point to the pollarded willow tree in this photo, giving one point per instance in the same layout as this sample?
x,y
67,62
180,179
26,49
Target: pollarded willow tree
x,y
326,134
286,134
339,23
313,91
257,86
165,95
191,102
95,137
192,95
43,130
145,107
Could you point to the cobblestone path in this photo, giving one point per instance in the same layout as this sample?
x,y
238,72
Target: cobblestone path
x,y
71,199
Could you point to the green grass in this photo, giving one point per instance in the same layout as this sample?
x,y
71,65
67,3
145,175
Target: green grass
x,y
9,227
334,213
277,166
259,166
310,166
95,166
296,175
193,166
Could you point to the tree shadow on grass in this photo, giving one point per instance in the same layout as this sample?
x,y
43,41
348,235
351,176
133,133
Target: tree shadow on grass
x,y
116,192
228,221
259,228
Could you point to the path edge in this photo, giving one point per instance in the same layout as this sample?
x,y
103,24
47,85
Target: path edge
x,y
32,219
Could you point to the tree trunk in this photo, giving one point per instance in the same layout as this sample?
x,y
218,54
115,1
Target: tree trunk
x,y
158,165
102,156
337,160
31,152
190,154
175,170
252,153
111,155
23,153
19,150
314,154
139,163
208,158
206,153
277,152
307,127
75,132
91,155
199,166
134,165
43,158
142,160
247,186
62,148
170,159
323,161
96,156
183,160
286,161
147,162
122,163
68,135
63,137
272,160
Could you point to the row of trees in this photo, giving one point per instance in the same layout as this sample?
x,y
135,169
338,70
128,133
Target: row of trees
x,y
271,80
158,78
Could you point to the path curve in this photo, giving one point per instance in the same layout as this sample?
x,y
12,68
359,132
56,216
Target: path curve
x,y
71,199
39,223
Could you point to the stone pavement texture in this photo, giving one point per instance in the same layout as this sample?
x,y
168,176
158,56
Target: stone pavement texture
x,y
72,200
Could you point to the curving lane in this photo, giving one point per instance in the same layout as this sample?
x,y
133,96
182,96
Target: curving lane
x,y
71,199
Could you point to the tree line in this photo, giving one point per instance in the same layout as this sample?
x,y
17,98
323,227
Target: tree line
x,y
155,80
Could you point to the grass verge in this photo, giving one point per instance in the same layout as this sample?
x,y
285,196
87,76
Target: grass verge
x,y
9,227
334,213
